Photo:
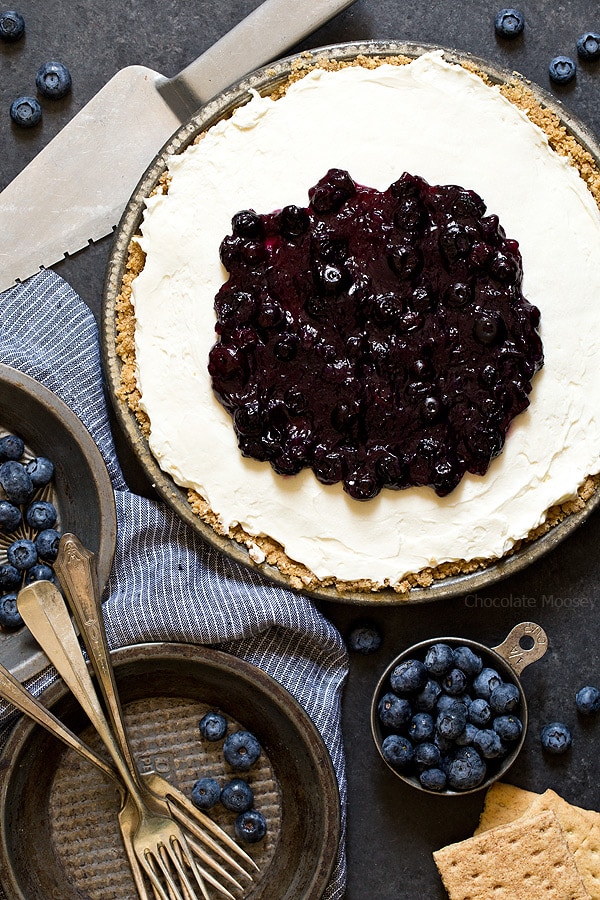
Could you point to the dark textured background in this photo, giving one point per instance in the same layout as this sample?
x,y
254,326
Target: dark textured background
x,y
392,828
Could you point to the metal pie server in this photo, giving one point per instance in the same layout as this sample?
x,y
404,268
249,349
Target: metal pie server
x,y
77,187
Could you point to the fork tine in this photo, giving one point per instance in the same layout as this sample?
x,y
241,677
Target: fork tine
x,y
193,828
212,863
147,860
179,853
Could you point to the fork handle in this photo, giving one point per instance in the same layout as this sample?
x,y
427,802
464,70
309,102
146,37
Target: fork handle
x,y
77,574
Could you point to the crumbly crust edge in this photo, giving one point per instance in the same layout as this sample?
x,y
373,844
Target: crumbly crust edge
x,y
262,548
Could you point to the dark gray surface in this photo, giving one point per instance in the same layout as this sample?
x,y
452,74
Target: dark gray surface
x,y
392,829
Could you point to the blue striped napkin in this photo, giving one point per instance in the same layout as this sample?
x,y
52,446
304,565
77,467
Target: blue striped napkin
x,y
47,332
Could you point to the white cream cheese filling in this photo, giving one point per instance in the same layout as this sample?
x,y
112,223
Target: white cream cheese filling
x,y
445,124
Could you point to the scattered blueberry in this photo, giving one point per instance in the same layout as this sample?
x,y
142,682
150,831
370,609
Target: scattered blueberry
x,y
206,793
40,514
10,517
504,699
485,682
213,726
433,780
509,23
11,447
26,112
9,614
409,676
47,543
587,700
364,639
53,80
480,713
439,659
394,712
237,795
250,826
16,482
508,728
12,26
562,69
241,750
556,738
40,470
22,554
40,572
10,577
397,751
588,45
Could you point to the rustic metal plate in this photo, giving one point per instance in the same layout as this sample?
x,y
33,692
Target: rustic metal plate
x,y
266,81
82,490
59,832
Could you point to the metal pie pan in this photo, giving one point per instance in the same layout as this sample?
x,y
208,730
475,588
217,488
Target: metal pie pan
x,y
265,81
59,830
82,488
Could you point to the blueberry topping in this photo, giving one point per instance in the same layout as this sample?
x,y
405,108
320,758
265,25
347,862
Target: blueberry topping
x,y
16,482
206,793
47,543
237,795
11,447
10,517
22,554
213,726
556,738
250,826
562,69
241,750
26,112
53,80
366,323
12,26
40,514
588,45
9,614
587,700
509,23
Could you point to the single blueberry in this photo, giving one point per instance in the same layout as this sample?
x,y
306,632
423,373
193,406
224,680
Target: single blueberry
x,y
364,639
250,826
47,543
421,728
504,699
16,482
588,45
53,80
433,780
9,614
562,69
40,572
508,728
439,659
12,26
397,751
40,514
468,736
10,517
427,756
480,713
508,23
452,721
587,700
241,750
485,682
22,554
40,470
26,112
408,677
393,711
206,793
213,726
428,696
237,795
454,682
10,577
247,224
445,701
556,738
488,742
466,770
468,661
11,447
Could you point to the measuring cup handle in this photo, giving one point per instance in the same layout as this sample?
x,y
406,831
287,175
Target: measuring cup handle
x,y
519,657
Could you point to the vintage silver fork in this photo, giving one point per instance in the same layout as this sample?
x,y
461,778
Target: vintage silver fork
x,y
159,843
75,568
